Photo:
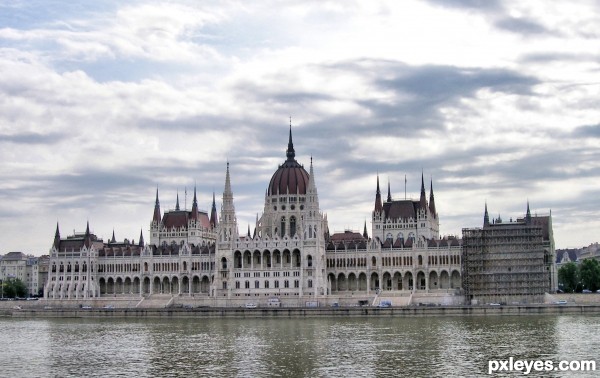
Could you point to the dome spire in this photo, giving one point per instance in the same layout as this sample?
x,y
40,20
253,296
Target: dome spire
x,y
290,153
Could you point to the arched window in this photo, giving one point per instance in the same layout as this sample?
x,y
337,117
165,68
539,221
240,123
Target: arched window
x,y
282,226
309,261
224,263
256,284
247,284
389,236
310,231
292,226
374,261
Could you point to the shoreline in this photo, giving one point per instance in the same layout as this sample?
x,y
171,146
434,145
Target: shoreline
x,y
303,312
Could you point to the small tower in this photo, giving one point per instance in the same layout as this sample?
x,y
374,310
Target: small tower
x,y
56,243
194,214
141,242
486,217
177,203
528,215
432,201
228,229
389,197
213,214
156,216
87,240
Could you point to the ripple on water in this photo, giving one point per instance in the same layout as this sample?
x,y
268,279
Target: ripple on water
x,y
321,347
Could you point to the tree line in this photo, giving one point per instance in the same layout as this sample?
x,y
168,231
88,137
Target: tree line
x,y
573,278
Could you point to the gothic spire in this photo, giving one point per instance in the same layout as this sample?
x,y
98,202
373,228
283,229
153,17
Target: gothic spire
x,y
365,234
177,203
213,213
389,197
57,237
378,205
431,200
195,206
423,200
486,216
528,216
290,153
156,216
113,240
141,242
227,181
87,240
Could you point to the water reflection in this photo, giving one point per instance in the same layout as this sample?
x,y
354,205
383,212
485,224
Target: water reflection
x,y
315,347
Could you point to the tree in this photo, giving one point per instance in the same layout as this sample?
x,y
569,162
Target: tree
x,y
14,287
568,277
589,271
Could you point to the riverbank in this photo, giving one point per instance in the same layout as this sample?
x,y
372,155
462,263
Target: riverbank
x,y
213,312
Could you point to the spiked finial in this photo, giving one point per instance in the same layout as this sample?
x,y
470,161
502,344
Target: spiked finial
x,y
290,153
57,237
486,216
177,203
378,205
389,197
141,242
528,216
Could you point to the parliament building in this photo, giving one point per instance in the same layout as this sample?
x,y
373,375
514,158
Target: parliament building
x,y
291,259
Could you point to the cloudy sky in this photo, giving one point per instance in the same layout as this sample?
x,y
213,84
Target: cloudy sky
x,y
102,102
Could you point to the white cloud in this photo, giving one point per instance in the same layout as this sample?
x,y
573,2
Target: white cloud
x,y
100,106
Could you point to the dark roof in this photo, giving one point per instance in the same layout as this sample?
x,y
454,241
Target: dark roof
x,y
14,256
179,219
402,209
347,236
571,252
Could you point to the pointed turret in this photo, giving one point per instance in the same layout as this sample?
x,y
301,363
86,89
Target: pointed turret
x,y
365,233
227,182
195,206
290,153
113,240
87,240
378,205
228,228
56,243
486,217
431,200
528,215
389,197
248,234
156,216
255,227
213,213
423,199
177,203
141,242
313,200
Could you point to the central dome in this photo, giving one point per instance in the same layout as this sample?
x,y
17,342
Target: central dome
x,y
291,177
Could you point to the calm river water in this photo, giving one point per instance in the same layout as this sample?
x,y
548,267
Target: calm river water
x,y
313,347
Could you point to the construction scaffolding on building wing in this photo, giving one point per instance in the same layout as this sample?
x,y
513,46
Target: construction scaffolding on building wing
x,y
508,263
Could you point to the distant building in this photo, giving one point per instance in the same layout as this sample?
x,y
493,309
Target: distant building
x,y
592,251
17,265
509,262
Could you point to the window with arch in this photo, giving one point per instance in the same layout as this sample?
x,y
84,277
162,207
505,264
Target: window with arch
x,y
282,227
389,236
292,226
256,284
224,263
309,261
237,284
247,284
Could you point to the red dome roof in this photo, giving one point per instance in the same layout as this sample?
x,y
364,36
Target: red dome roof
x,y
291,177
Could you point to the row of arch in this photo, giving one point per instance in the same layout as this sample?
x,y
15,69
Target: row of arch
x,y
172,285
394,281
267,259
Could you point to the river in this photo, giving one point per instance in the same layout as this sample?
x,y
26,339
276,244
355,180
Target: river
x,y
303,347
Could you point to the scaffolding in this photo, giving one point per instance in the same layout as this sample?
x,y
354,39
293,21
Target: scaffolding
x,y
504,263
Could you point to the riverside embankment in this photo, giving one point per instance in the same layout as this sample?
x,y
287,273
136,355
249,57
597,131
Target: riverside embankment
x,y
210,312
